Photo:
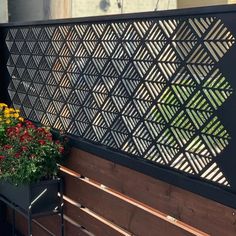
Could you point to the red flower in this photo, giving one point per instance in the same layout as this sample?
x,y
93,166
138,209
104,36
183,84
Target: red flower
x,y
19,125
7,146
49,137
41,130
41,142
25,137
29,124
2,157
13,131
24,148
17,155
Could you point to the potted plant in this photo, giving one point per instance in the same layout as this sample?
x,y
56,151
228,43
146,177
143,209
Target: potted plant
x,y
28,162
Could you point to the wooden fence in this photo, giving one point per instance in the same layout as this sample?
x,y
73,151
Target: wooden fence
x,y
107,199
148,101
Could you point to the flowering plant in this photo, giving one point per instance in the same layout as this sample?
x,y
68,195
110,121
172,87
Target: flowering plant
x,y
27,153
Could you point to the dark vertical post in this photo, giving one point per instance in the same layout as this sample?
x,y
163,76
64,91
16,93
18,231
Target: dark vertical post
x,y
4,75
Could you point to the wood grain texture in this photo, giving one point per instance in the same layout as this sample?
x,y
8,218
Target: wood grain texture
x,y
204,214
127,216
45,226
52,223
89,222
21,225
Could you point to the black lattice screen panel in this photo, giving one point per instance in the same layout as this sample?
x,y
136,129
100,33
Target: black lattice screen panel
x,y
149,88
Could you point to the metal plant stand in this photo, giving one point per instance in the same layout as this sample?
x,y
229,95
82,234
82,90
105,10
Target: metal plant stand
x,y
50,210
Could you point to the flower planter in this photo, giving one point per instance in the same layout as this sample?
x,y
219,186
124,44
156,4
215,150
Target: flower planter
x,y
39,197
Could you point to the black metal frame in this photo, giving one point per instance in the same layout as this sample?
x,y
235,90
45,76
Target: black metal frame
x,y
30,216
222,194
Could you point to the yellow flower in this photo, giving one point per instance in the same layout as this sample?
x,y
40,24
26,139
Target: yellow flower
x,y
3,105
11,110
21,119
8,121
7,115
16,115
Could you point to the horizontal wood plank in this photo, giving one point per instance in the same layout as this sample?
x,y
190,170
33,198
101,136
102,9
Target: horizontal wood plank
x,y
45,226
22,227
89,222
207,215
127,216
52,223
197,211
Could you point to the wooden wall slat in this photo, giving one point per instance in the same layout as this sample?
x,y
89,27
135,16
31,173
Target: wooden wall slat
x,y
129,217
75,230
207,215
89,222
51,223
21,225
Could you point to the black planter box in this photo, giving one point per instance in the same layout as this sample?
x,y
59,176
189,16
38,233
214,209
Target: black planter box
x,y
38,197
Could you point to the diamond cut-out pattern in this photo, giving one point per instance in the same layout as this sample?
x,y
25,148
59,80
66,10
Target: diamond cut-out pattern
x,y
150,88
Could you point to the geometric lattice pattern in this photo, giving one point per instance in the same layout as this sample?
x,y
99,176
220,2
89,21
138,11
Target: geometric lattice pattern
x,y
149,88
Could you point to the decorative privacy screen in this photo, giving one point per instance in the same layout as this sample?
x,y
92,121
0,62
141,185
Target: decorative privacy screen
x,y
150,88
